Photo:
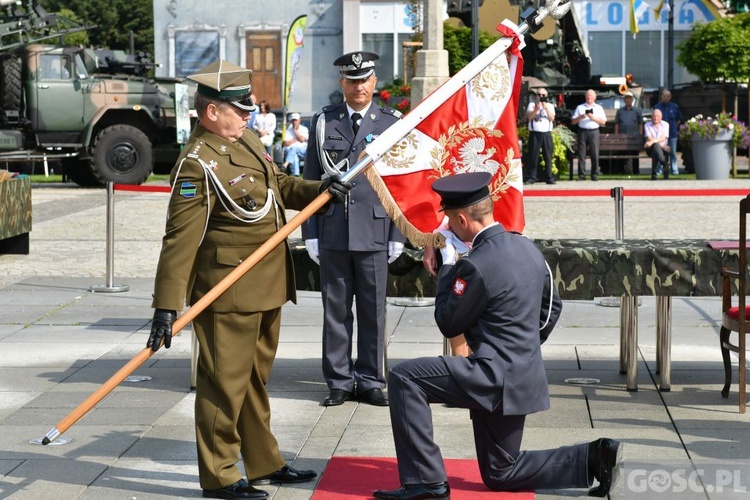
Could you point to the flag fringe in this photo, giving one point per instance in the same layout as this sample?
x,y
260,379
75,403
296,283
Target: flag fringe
x,y
415,236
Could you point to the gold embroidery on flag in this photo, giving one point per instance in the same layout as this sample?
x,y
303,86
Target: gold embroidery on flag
x,y
494,80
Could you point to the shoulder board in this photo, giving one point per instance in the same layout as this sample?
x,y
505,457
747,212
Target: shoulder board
x,y
328,108
391,111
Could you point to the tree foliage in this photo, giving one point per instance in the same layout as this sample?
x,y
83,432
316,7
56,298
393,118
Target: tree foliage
x,y
114,20
457,41
718,51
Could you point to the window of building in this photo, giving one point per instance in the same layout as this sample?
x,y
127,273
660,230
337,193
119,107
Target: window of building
x,y
195,50
679,73
643,58
385,45
385,25
605,48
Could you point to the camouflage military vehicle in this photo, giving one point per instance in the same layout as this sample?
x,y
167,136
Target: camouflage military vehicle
x,y
91,110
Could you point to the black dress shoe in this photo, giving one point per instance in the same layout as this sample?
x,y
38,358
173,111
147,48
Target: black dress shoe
x,y
604,455
337,397
287,475
373,397
581,177
551,181
416,492
240,489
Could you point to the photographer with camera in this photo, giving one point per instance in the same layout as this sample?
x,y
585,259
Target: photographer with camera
x,y
541,117
589,116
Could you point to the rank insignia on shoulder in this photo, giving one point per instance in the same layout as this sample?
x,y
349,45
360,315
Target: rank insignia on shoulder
x,y
188,190
213,165
459,287
391,111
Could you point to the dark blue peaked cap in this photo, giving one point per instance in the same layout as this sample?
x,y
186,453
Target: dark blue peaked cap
x,y
462,190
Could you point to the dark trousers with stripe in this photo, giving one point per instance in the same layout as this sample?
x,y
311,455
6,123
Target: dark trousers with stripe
x,y
414,384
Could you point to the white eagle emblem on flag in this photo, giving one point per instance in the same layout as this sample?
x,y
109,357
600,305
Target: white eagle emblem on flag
x,y
474,158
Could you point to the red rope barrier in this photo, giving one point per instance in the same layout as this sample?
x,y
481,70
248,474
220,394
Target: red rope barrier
x,y
636,192
147,189
533,193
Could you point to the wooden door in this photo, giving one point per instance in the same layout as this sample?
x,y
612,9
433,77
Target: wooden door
x,y
264,58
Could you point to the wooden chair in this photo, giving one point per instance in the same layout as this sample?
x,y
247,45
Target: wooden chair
x,y
731,319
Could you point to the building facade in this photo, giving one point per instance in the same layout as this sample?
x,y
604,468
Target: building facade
x,y
189,34
605,26
253,33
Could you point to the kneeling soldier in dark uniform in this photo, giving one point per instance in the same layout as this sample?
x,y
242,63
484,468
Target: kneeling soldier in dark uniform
x,y
501,297
227,199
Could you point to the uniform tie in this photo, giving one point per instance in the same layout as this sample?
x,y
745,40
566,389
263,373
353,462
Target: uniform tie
x,y
356,117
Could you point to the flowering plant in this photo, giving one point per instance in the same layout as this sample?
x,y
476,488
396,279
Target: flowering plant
x,y
710,127
396,95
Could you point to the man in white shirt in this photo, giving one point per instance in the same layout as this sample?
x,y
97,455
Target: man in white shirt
x,y
657,135
295,144
589,116
541,117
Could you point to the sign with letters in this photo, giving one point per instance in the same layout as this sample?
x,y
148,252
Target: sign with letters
x,y
602,15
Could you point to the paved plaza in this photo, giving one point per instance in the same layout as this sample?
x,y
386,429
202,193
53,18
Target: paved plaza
x,y
59,342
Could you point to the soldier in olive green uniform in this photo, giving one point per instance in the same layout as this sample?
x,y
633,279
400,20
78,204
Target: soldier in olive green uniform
x,y
227,199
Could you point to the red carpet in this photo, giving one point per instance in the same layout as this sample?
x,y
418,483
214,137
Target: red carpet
x,y
358,477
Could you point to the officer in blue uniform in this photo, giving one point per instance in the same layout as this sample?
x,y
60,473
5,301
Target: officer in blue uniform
x,y
353,242
501,297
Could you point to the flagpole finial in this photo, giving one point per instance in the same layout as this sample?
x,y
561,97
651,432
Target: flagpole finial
x,y
553,8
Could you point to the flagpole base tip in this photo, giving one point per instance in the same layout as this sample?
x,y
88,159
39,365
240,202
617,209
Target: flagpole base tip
x,y
51,436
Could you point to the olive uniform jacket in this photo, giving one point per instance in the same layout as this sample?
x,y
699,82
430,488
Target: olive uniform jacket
x,y
207,236
500,297
361,224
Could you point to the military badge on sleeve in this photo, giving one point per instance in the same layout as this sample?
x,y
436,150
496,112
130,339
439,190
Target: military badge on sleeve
x,y
188,190
459,287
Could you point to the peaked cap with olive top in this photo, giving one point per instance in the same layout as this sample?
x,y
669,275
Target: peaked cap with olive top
x,y
224,81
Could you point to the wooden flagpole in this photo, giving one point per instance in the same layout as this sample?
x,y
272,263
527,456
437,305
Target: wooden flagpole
x,y
247,264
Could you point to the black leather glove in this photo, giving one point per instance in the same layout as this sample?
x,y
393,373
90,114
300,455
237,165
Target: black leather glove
x,y
161,328
336,187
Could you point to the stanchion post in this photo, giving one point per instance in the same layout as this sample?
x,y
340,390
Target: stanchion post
x,y
110,287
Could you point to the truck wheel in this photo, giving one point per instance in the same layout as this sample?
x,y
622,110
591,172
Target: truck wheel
x,y
79,171
10,84
122,153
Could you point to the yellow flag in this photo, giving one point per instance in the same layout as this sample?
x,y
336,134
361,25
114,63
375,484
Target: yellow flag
x,y
633,20
294,45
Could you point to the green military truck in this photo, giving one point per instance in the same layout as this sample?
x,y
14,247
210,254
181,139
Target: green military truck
x,y
93,111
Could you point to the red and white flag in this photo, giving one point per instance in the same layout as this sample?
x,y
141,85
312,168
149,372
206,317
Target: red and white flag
x,y
471,128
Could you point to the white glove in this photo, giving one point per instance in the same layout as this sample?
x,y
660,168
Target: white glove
x,y
395,248
448,252
312,250
461,247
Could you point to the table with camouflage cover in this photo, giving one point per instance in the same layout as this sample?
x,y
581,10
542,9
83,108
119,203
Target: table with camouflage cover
x,y
585,269
582,269
15,215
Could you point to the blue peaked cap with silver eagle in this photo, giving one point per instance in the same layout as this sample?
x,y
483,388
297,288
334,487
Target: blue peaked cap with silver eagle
x,y
356,65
